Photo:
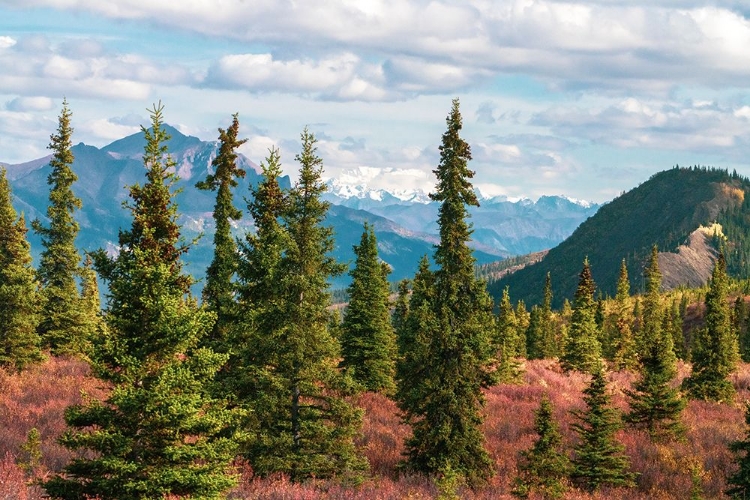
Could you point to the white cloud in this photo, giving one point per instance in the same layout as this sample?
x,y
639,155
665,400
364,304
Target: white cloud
x,y
6,42
30,104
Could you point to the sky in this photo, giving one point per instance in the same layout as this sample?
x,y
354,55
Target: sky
x,y
582,98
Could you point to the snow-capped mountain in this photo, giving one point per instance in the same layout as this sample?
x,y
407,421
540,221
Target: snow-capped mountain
x,y
400,210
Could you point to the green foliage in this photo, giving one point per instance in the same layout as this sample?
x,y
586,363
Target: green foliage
x,y
541,341
628,226
582,349
218,292
599,459
452,335
544,468
19,297
158,432
739,481
31,453
510,342
715,351
63,325
654,404
620,345
368,342
287,363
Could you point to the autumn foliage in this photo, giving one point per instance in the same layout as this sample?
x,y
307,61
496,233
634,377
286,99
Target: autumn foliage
x,y
37,398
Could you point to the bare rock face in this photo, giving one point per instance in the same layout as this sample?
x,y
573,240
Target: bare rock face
x,y
692,263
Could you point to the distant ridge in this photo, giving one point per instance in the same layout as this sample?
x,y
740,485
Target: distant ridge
x,y
665,210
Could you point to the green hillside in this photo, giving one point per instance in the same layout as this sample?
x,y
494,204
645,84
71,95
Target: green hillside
x,y
663,210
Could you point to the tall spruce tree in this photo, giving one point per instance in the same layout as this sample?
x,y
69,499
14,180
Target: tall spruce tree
x,y
218,293
621,341
510,341
739,481
655,404
306,426
19,296
582,350
715,351
63,325
544,468
368,342
158,432
598,458
446,422
541,340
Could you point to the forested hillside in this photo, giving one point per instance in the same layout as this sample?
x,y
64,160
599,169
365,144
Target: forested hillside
x,y
662,211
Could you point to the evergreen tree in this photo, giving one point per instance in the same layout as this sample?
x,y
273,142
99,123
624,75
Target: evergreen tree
x,y
623,348
368,342
509,341
415,324
599,458
446,423
541,341
673,324
741,327
62,327
400,310
583,350
158,432
544,468
715,350
306,426
654,404
218,293
19,297
90,301
739,481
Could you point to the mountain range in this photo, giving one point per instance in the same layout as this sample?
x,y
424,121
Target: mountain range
x,y
404,221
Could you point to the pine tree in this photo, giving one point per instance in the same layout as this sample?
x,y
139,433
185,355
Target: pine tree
x,y
673,324
63,326
400,310
306,426
583,350
157,433
598,459
446,423
218,293
739,481
509,341
19,296
544,468
368,342
715,351
654,404
622,342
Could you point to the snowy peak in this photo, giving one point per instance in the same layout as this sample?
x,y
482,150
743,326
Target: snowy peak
x,y
381,185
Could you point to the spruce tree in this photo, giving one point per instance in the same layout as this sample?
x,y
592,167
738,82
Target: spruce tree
x,y
544,468
306,426
654,404
583,350
400,310
739,481
158,433
446,422
541,340
368,342
509,341
673,324
91,306
19,296
598,458
63,326
621,340
218,292
715,350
